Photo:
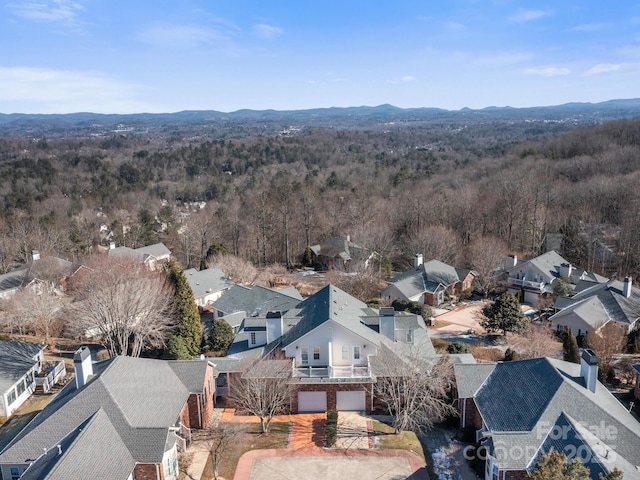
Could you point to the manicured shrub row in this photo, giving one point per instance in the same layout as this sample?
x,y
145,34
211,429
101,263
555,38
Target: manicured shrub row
x,y
332,427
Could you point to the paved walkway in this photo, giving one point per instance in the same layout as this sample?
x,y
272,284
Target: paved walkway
x,y
346,463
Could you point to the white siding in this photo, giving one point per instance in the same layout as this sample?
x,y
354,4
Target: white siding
x,y
335,335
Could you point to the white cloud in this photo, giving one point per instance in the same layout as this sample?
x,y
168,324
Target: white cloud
x,y
64,91
603,68
179,36
408,78
528,16
65,11
263,30
548,71
590,27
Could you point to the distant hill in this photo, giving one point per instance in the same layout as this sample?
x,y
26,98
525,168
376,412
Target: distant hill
x,y
271,121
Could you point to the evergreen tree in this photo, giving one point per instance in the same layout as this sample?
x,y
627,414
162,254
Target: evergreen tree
x,y
504,314
221,336
570,350
176,349
189,327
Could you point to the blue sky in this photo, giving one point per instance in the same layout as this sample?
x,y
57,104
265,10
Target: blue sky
x,y
114,56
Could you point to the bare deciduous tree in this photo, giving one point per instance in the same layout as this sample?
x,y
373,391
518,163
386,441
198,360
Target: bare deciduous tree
x,y
486,256
239,270
363,283
219,438
264,390
537,341
34,309
608,342
131,306
414,392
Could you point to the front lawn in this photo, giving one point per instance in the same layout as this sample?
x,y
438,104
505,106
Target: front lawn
x,y
250,439
386,438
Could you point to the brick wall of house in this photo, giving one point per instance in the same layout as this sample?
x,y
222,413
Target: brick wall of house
x,y
471,421
429,299
148,471
331,389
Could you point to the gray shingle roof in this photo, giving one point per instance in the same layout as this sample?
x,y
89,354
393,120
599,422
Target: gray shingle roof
x,y
157,250
256,301
141,398
602,302
521,399
16,359
341,247
428,277
78,456
13,279
206,281
471,376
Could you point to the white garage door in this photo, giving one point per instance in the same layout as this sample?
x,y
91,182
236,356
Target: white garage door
x,y
354,401
312,401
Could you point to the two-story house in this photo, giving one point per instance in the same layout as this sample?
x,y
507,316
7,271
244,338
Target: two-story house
x,y
208,285
331,340
122,419
536,277
521,409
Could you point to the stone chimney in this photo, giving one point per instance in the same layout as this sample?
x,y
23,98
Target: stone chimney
x,y
417,260
35,255
589,368
274,325
388,323
512,261
565,270
82,365
626,287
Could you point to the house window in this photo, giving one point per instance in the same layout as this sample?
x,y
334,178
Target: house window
x,y
345,352
253,338
356,353
409,336
21,388
11,396
316,353
304,355
221,381
15,473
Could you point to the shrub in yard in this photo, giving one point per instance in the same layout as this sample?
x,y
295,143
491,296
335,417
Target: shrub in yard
x,y
332,427
458,347
440,345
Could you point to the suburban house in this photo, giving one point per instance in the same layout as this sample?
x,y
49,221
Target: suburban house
x,y
330,342
340,253
152,255
428,282
208,285
38,271
536,277
519,410
19,364
124,418
240,302
597,305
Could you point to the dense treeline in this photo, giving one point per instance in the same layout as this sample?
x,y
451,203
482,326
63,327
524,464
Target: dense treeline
x,y
443,190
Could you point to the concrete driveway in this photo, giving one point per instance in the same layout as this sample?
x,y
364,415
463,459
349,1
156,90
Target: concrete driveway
x,y
353,430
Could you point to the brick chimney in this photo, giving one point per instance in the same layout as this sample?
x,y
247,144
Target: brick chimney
x,y
82,365
589,368
626,287
388,323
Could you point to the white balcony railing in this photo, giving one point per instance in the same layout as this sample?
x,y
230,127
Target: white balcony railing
x,y
519,282
351,371
55,372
